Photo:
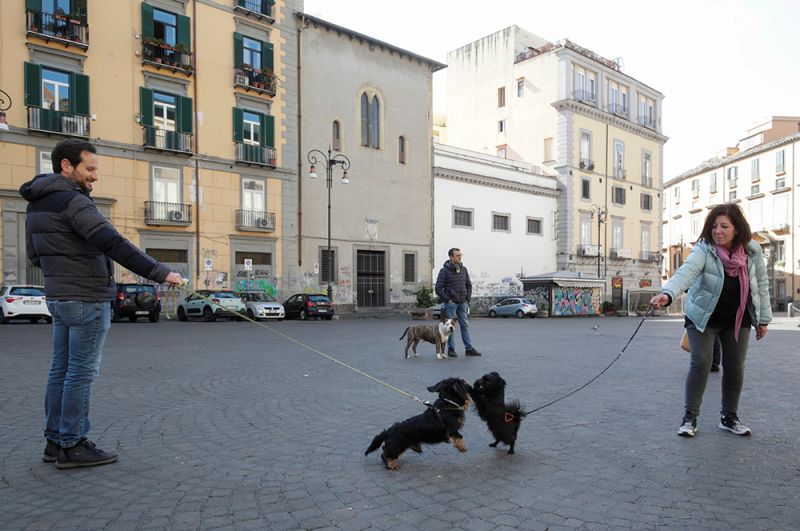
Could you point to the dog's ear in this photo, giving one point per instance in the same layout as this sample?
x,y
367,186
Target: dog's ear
x,y
461,389
442,317
437,387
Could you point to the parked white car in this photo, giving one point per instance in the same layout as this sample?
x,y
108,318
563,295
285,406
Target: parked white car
x,y
23,302
262,306
210,305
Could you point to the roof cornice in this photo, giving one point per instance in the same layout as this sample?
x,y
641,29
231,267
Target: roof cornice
x,y
481,180
593,112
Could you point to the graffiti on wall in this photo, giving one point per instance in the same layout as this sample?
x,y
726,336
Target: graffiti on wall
x,y
540,295
506,287
569,301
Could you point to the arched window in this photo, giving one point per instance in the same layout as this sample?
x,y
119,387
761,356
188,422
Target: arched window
x,y
336,136
370,121
401,150
364,120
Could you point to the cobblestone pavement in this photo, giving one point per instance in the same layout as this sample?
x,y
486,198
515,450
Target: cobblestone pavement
x,y
227,425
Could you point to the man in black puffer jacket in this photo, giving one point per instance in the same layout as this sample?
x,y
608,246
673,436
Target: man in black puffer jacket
x,y
73,244
454,289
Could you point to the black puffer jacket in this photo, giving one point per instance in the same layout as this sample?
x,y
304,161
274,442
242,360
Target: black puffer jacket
x,y
73,243
453,283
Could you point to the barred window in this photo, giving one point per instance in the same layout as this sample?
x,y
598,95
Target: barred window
x,y
462,218
500,222
327,269
409,268
534,226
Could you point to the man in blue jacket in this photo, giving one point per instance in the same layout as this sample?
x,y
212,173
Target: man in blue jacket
x,y
73,244
455,290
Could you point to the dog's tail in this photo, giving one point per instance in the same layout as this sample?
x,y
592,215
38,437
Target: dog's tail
x,y
376,442
515,411
404,333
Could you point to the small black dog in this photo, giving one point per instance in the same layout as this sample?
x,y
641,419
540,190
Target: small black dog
x,y
503,419
439,423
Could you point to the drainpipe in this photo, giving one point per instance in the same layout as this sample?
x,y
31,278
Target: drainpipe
x,y
793,229
608,216
196,149
299,151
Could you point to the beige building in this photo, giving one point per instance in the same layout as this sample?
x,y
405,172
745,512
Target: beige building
x,y
760,174
565,108
192,106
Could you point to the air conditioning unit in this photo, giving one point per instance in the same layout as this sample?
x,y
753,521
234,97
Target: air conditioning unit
x,y
242,80
175,215
589,250
262,223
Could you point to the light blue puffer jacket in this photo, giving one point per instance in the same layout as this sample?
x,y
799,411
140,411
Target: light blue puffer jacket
x,y
703,275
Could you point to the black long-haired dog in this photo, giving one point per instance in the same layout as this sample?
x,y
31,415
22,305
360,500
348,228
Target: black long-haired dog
x,y
439,423
503,418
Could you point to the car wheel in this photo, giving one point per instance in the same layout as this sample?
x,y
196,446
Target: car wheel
x,y
520,314
3,318
154,317
48,320
492,314
132,318
181,314
251,315
328,317
114,315
208,315
303,315
33,320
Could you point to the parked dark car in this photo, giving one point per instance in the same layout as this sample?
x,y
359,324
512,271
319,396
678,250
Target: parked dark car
x,y
134,301
305,306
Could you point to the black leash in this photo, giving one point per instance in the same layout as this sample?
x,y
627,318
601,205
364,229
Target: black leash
x,y
559,399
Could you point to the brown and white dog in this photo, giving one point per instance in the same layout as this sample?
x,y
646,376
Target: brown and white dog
x,y
438,335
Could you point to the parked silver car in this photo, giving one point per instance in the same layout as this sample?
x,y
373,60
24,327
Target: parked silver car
x,y
514,306
262,306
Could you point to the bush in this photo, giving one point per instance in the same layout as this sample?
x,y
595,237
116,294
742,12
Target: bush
x,y
425,297
609,307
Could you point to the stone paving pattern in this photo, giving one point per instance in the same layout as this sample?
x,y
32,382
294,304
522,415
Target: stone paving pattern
x,y
228,426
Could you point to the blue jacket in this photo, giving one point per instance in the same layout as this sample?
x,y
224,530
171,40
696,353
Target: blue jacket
x,y
453,284
703,275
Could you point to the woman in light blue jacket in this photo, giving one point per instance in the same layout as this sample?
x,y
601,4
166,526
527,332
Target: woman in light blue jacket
x,y
728,293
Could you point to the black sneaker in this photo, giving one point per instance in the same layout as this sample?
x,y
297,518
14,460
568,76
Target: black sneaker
x,y
50,452
731,423
688,427
451,353
85,453
472,352
715,368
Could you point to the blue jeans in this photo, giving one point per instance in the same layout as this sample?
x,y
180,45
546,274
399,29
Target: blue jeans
x,y
79,331
459,311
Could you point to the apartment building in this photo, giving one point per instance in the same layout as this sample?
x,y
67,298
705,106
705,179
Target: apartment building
x,y
760,175
564,107
192,107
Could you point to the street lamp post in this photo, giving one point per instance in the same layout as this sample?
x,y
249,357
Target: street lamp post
x,y
329,162
602,213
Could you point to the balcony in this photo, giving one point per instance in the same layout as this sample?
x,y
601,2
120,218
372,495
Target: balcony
x,y
620,253
586,249
63,123
647,181
620,173
647,121
255,220
649,256
261,81
255,154
69,29
175,214
586,164
158,138
258,9
159,54
585,96
618,109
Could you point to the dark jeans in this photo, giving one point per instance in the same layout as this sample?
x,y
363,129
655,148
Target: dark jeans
x,y
459,311
79,331
717,352
702,353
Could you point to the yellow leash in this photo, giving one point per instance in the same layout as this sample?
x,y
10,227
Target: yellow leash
x,y
174,289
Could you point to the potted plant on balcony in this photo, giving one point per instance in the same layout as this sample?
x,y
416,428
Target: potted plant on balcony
x,y
59,14
74,18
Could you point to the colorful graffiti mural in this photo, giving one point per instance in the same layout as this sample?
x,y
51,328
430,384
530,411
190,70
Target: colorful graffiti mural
x,y
569,301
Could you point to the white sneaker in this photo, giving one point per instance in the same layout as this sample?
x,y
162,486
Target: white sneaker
x,y
688,428
731,423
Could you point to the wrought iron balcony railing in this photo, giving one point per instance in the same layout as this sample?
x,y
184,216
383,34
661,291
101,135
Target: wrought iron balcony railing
x,y
160,213
620,109
620,253
254,154
64,123
158,138
649,256
259,8
162,55
259,80
646,121
256,220
586,164
70,29
620,173
586,96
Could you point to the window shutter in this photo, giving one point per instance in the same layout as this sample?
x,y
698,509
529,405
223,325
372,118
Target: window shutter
x,y
238,125
79,6
80,94
267,56
147,21
33,85
364,120
146,106
33,5
184,114
238,49
183,32
267,130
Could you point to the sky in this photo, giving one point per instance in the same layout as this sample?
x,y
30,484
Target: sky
x,y
722,65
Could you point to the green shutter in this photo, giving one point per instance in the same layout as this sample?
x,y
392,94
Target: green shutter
x,y
80,94
146,106
267,130
33,5
238,125
79,6
147,22
238,49
33,85
183,32
267,60
185,115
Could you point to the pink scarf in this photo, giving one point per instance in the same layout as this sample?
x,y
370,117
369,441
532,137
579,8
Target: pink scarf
x,y
735,265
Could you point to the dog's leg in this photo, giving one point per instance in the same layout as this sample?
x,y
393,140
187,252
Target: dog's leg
x,y
458,442
511,450
494,444
408,344
416,448
416,342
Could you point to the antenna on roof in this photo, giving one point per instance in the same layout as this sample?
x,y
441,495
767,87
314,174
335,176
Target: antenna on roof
x,y
620,62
